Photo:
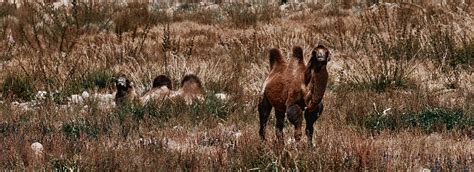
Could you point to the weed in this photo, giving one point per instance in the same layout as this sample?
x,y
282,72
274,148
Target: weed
x,y
428,120
74,129
16,86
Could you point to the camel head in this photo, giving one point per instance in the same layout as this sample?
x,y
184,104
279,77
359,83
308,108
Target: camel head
x,y
123,84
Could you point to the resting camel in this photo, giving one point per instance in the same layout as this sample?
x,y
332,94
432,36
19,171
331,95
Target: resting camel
x,y
293,87
191,88
161,89
125,91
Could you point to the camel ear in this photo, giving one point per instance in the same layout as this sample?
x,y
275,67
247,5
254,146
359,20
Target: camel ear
x,y
113,80
327,55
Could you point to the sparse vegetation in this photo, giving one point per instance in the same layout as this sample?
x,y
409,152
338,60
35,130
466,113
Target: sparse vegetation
x,y
428,120
399,96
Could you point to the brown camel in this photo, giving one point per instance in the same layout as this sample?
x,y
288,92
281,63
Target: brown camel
x,y
293,87
160,90
125,90
191,88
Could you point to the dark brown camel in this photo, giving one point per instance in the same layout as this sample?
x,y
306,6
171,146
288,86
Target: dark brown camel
x,y
293,87
125,90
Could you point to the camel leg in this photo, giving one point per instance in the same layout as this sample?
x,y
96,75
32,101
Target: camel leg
x,y
280,120
264,109
294,113
310,118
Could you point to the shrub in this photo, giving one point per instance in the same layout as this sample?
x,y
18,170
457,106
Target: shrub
x,y
7,9
132,17
427,120
242,16
61,164
21,87
98,79
218,108
73,129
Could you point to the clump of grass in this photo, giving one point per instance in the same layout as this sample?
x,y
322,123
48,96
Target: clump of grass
x,y
61,164
99,79
241,16
219,108
18,87
463,56
391,40
132,17
428,120
74,129
6,9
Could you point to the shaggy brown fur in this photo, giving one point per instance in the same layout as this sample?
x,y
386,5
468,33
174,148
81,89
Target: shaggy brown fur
x,y
161,89
125,90
191,88
162,80
291,87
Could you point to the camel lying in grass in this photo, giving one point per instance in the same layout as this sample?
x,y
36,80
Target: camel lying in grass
x,y
191,89
160,90
293,87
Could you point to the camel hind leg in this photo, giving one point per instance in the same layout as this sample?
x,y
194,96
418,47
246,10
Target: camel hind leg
x,y
294,113
280,122
264,109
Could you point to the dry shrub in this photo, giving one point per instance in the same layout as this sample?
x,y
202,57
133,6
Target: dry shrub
x,y
243,16
393,39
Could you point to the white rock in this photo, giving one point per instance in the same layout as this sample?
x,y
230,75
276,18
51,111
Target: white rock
x,y
41,95
284,7
37,148
76,99
61,3
85,95
104,98
222,96
425,170
26,106
237,134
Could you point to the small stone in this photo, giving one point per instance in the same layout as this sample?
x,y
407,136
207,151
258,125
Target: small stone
x,y
37,148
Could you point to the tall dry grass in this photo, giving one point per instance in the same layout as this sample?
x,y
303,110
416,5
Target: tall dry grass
x,y
400,95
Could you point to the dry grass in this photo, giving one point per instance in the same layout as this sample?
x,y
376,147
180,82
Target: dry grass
x,y
400,95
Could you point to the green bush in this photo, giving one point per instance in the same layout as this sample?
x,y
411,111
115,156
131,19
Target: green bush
x,y
18,87
73,129
242,16
464,55
217,107
428,120
97,79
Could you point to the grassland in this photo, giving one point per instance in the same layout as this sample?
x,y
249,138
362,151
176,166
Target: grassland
x,y
400,95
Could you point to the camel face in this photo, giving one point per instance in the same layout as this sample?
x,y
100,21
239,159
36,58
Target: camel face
x,y
321,54
122,83
125,91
